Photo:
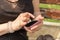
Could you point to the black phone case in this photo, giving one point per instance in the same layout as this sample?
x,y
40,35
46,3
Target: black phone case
x,y
30,23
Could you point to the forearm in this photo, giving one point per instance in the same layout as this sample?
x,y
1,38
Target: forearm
x,y
36,7
3,29
8,27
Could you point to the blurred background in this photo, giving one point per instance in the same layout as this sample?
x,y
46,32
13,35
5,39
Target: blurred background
x,y
50,9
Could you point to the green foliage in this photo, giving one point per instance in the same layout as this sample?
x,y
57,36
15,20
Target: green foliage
x,y
52,20
51,6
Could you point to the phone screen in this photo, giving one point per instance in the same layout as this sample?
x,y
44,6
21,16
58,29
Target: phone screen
x,y
31,23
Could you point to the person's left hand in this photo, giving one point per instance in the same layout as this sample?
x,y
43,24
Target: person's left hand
x,y
36,26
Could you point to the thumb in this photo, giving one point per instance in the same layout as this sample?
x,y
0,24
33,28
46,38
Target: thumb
x,y
23,24
39,17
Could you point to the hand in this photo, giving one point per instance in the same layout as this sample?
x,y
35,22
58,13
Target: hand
x,y
21,20
36,26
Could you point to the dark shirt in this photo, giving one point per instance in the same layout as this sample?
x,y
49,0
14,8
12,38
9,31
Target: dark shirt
x,y
7,13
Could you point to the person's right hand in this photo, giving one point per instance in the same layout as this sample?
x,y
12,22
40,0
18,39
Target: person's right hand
x,y
36,26
21,20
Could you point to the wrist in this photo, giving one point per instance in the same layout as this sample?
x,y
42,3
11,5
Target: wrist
x,y
16,25
10,28
36,13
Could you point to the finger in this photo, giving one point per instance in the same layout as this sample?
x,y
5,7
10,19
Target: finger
x,y
27,29
25,19
39,17
27,15
31,15
23,23
36,26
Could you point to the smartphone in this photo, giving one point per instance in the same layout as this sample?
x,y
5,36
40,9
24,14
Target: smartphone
x,y
31,23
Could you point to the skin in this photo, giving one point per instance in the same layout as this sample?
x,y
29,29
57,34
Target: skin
x,y
19,22
13,0
37,14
